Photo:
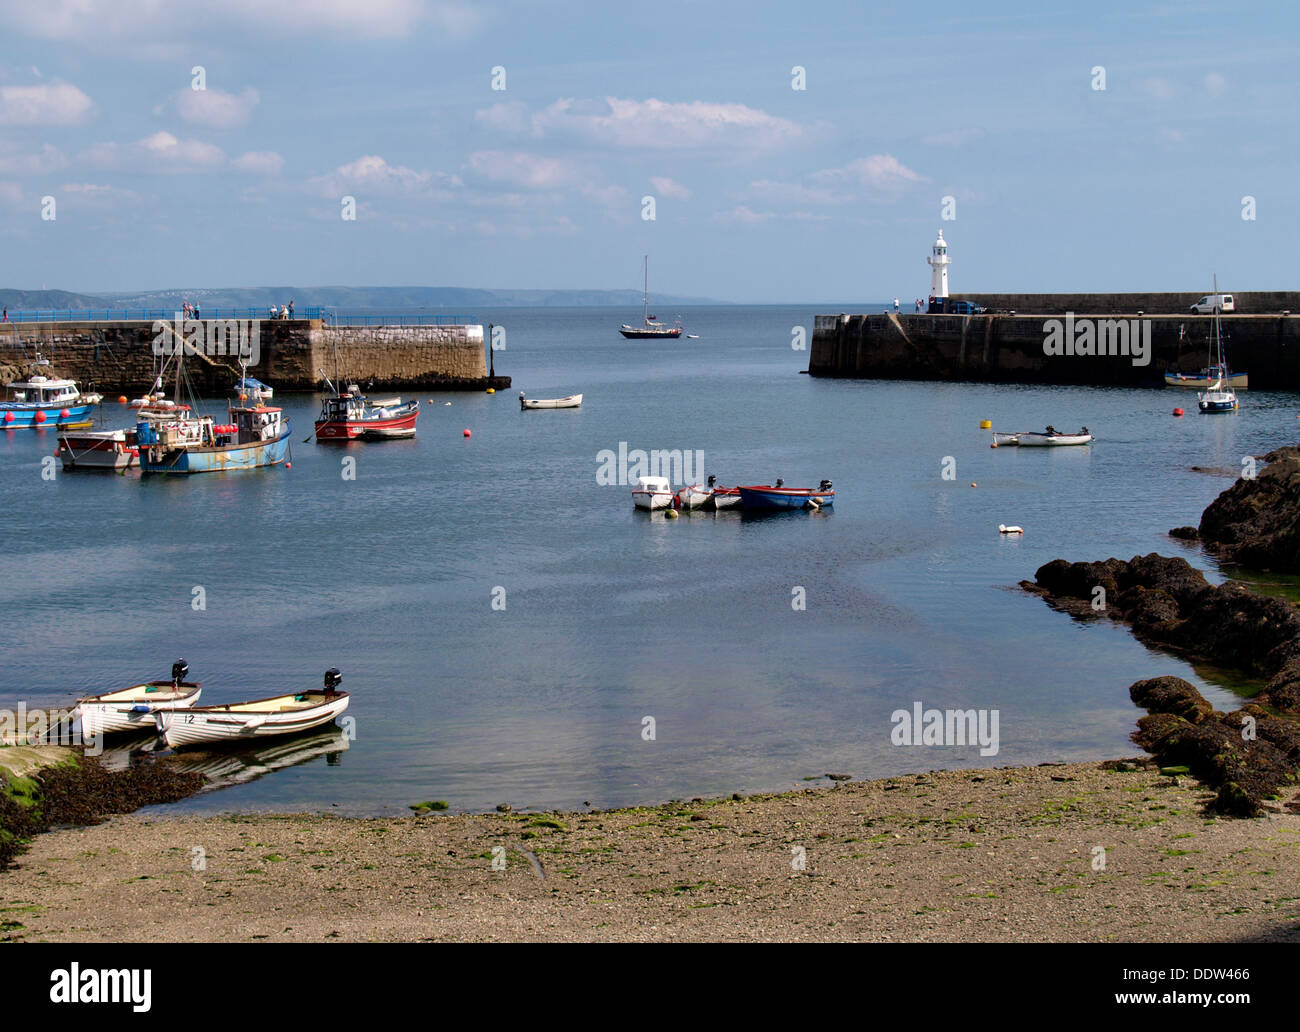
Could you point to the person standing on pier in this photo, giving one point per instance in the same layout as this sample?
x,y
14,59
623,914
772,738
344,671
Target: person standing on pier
x,y
290,308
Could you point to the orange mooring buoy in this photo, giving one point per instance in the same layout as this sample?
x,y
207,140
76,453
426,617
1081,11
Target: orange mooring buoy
x,y
1178,412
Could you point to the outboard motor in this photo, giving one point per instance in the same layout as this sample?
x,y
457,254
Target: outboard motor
x,y
713,481
780,482
332,680
180,670
826,486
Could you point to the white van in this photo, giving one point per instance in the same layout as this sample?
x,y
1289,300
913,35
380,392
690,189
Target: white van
x,y
1214,303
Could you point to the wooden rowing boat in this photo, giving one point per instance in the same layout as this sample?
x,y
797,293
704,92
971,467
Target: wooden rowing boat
x,y
260,718
135,708
572,401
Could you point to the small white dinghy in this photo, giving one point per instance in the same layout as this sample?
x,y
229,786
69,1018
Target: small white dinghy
x,y
572,401
694,496
1001,440
1052,438
261,718
652,493
134,708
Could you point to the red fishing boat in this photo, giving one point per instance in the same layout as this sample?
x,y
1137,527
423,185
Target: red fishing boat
x,y
350,417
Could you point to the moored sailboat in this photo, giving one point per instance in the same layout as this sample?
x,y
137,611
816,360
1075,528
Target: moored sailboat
x,y
650,327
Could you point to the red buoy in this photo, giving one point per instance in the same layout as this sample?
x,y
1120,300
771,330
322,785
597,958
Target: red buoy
x,y
288,465
39,417
468,434
9,417
1178,412
65,414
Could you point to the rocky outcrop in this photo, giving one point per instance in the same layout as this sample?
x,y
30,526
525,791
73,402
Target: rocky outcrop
x,y
1249,756
1256,522
1169,603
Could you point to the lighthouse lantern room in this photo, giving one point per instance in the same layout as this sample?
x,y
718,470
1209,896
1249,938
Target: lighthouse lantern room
x,y
939,262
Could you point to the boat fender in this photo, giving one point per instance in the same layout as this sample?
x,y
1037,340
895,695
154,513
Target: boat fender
x,y
141,707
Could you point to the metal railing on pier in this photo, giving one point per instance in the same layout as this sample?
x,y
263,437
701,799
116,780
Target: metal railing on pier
x,y
330,316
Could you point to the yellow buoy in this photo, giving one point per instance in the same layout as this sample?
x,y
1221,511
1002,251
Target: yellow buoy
x,y
491,390
670,514
986,424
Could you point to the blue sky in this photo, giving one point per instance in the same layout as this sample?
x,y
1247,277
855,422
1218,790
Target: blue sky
x,y
763,193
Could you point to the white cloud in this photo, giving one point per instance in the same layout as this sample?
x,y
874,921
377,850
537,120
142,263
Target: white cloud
x,y
96,195
214,108
11,194
161,152
670,188
744,215
519,168
1160,89
55,103
49,159
878,171
794,193
1215,83
93,21
371,173
647,124
262,163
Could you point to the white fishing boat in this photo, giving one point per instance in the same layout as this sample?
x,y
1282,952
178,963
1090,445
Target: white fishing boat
x,y
135,708
260,718
1053,438
1002,440
652,493
249,389
723,497
572,401
98,449
695,496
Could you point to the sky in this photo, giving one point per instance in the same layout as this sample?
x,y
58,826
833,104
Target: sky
x,y
513,145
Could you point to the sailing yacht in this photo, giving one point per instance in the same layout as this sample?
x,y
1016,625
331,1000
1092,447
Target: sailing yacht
x,y
1220,397
650,327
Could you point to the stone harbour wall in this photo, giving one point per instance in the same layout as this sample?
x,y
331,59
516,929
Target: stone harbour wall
x,y
293,355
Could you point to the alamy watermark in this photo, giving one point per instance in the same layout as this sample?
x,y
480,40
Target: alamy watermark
x,y
921,726
1099,337
215,338
25,726
627,467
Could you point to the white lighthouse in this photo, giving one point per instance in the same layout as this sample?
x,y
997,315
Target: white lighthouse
x,y
939,261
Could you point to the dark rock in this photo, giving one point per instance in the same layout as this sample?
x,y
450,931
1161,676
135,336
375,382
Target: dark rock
x,y
1186,533
1256,522
1171,695
1183,731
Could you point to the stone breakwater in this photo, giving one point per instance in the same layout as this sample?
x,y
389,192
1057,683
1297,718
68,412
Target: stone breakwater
x,y
1007,348
293,355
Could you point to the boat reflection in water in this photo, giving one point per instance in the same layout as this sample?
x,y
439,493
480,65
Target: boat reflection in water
x,y
225,767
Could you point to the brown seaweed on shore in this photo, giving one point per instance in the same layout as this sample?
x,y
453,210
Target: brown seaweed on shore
x,y
85,792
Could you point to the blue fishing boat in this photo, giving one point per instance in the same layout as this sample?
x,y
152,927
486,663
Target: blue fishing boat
x,y
40,401
258,436
778,496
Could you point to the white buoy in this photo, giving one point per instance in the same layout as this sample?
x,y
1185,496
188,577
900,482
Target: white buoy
x,y
1004,529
